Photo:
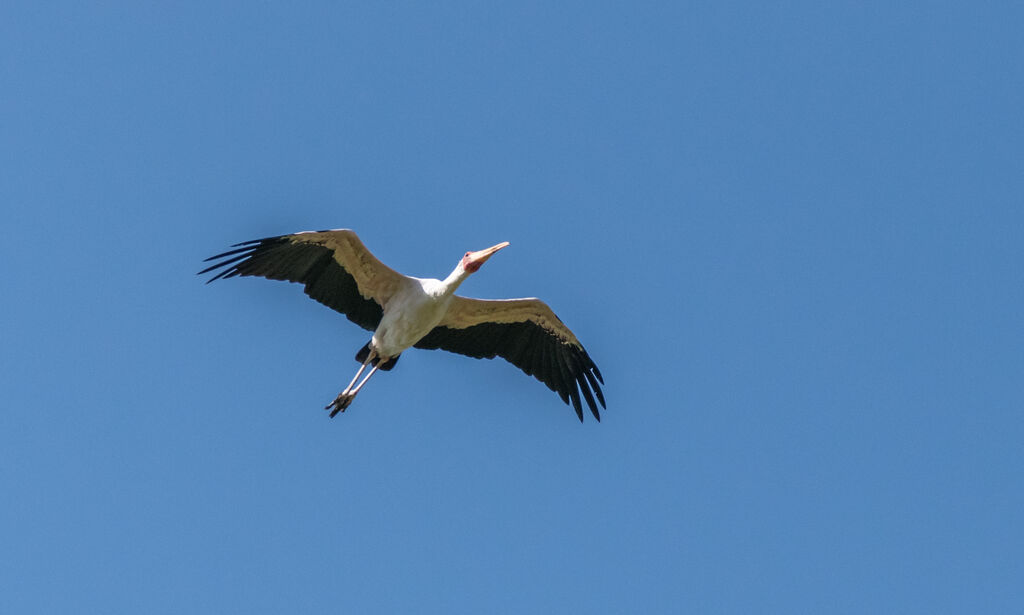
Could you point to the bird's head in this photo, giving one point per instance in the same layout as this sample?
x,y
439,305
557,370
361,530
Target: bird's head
x,y
473,260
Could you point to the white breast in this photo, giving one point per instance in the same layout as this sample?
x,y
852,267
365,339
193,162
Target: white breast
x,y
410,314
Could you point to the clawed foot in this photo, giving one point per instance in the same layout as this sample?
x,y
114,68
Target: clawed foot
x,y
344,399
339,404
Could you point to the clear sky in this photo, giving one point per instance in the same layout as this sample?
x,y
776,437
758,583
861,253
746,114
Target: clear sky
x,y
790,234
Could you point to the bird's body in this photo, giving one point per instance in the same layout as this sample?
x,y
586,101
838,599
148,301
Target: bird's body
x,y
403,311
411,313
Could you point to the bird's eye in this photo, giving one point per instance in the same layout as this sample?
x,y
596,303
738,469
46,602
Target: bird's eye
x,y
466,254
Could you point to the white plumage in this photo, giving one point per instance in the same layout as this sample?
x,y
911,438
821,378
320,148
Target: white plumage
x,y
403,311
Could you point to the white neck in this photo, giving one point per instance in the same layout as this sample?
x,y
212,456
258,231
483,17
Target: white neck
x,y
454,279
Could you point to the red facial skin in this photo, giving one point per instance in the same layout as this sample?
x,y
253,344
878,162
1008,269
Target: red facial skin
x,y
474,260
468,265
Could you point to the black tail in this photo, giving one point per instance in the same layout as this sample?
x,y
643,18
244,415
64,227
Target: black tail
x,y
365,352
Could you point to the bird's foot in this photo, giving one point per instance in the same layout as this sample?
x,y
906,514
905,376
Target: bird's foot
x,y
339,404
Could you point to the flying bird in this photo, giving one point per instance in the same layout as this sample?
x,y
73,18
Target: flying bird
x,y
407,312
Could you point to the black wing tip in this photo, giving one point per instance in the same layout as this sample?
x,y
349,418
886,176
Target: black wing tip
x,y
591,366
560,364
585,378
239,253
594,386
579,379
230,265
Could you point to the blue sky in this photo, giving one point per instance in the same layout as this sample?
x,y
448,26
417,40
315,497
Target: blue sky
x,y
788,233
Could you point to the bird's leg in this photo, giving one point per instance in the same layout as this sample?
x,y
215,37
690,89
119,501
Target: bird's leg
x,y
344,399
353,392
351,384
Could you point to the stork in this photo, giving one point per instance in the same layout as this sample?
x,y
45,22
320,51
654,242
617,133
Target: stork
x,y
407,312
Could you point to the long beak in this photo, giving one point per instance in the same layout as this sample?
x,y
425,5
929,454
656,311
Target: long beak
x,y
479,258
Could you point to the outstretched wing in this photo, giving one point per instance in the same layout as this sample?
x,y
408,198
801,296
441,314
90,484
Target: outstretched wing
x,y
335,267
527,334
